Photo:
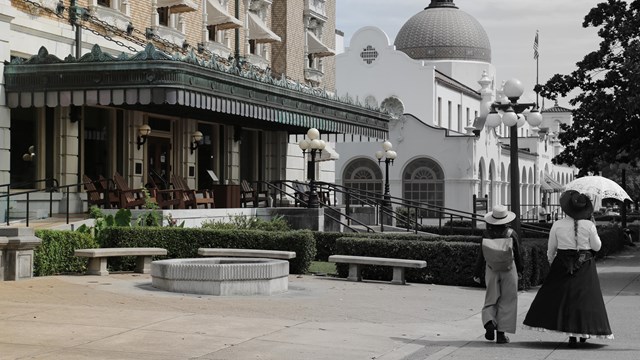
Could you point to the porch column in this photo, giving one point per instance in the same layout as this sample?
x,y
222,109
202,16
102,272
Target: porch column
x,y
5,120
137,164
69,149
233,156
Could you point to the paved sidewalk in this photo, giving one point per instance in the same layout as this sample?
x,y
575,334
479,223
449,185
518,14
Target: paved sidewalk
x,y
122,317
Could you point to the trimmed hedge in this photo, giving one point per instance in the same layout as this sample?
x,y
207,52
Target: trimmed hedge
x,y
54,255
184,243
449,262
451,230
612,239
326,241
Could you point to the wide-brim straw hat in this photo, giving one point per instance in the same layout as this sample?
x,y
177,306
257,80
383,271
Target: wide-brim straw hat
x,y
499,216
576,205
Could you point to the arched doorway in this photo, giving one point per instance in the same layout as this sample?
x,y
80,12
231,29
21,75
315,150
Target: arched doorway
x,y
423,181
362,174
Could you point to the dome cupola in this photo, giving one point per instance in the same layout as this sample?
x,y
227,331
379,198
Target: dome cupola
x,y
443,32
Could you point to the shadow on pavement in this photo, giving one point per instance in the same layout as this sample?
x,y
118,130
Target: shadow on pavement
x,y
535,345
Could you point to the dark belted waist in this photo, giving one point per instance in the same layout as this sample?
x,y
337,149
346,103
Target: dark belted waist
x,y
572,260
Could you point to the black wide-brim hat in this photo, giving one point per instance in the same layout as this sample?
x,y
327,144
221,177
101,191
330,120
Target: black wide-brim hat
x,y
576,205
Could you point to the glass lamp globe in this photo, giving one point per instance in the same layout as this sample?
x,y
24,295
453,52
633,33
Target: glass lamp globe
x,y
493,119
510,118
513,89
313,133
534,118
304,144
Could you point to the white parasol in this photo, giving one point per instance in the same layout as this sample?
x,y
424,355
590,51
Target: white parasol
x,y
598,188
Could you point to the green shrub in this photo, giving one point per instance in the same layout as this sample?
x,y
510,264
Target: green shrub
x,y
612,239
326,241
450,261
54,255
184,243
244,222
459,223
451,230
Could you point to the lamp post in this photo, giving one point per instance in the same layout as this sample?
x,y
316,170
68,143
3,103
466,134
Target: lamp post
x,y
387,155
622,165
513,118
314,145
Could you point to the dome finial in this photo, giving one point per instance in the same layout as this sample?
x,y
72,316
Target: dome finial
x,y
441,3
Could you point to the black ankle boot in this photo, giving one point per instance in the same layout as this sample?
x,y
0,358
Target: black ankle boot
x,y
501,338
489,334
573,342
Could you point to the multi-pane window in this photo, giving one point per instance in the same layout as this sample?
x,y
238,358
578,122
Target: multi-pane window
x,y
423,181
363,175
163,13
106,3
212,33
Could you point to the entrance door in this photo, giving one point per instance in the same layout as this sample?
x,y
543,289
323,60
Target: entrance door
x,y
159,160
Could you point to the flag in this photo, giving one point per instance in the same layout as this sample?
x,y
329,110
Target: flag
x,y
535,47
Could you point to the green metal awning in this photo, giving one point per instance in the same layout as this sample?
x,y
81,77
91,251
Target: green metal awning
x,y
549,185
153,78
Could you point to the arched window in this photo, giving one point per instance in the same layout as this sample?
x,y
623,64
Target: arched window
x,y
423,181
362,174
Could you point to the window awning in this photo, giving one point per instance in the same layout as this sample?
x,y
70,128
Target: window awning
x,y
549,185
259,31
178,6
154,81
316,47
329,153
217,15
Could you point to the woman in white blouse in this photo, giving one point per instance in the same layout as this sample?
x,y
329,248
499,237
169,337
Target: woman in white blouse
x,y
570,300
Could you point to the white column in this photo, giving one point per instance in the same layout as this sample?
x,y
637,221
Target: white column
x,y
68,148
5,113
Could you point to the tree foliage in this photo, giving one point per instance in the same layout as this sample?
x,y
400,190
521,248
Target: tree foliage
x,y
606,115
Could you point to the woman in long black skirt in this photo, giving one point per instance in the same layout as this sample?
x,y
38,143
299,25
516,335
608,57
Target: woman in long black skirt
x,y
570,300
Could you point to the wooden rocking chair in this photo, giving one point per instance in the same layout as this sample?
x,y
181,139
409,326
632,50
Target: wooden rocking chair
x,y
94,195
166,198
190,196
106,186
129,198
253,197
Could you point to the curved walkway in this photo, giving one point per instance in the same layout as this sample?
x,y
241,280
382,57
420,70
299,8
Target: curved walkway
x,y
121,316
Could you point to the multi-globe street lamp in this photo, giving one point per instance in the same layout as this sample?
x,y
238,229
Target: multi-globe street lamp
x,y
513,118
314,145
387,156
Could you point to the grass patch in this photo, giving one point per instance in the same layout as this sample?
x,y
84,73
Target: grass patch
x,y
322,267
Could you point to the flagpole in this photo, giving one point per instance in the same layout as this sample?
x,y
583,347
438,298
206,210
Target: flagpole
x,y
536,55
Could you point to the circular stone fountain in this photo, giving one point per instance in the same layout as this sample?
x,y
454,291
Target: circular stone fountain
x,y
221,276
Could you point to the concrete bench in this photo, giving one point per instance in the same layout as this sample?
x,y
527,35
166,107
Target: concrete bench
x,y
356,263
269,254
98,258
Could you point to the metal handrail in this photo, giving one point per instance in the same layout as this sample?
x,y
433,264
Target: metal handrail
x,y
443,212
280,187
8,195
